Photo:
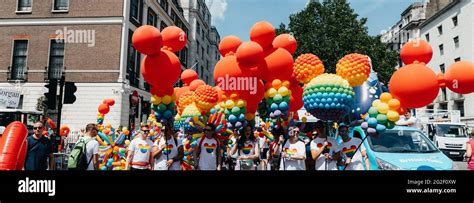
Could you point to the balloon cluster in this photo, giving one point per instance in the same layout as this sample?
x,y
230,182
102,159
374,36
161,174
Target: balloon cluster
x,y
188,114
382,115
307,67
163,108
234,110
278,98
355,68
205,98
328,97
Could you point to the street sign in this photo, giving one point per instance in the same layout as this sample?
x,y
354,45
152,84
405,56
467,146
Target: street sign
x,y
9,98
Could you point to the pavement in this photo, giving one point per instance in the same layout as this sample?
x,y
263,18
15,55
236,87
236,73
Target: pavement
x,y
461,165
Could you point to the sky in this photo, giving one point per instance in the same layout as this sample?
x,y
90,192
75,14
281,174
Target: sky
x,y
236,17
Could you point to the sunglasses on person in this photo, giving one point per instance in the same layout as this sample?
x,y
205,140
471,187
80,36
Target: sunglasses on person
x,y
296,131
37,128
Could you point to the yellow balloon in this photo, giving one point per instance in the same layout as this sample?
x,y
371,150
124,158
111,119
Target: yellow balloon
x,y
385,97
393,116
166,100
155,100
272,92
283,91
304,119
383,108
240,103
376,103
229,104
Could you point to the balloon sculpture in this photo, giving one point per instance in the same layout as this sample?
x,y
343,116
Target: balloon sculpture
x,y
307,67
13,146
355,68
382,115
278,99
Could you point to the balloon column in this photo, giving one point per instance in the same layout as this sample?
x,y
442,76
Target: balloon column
x,y
382,115
163,108
328,97
278,99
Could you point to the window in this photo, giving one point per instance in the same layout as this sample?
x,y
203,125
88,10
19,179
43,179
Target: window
x,y
440,30
441,49
183,55
56,59
151,18
442,68
163,25
61,5
198,29
456,42
427,36
20,53
443,106
455,21
24,5
133,63
202,51
135,11
444,96
164,5
174,17
197,47
457,59
460,107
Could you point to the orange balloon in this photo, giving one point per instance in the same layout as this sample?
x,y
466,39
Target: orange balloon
x,y
249,54
104,109
195,84
174,38
161,92
147,40
51,123
416,50
410,94
64,131
11,143
256,96
263,33
227,72
188,76
219,93
229,45
459,77
179,92
286,41
278,65
109,102
162,69
307,67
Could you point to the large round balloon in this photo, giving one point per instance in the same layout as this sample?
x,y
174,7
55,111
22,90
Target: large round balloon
x,y
416,50
162,69
286,41
229,45
459,77
161,91
227,75
174,38
11,145
249,54
147,40
355,68
328,97
256,95
307,67
277,65
188,75
103,109
195,84
263,33
415,85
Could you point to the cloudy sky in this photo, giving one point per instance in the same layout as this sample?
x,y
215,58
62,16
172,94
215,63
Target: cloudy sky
x,y
235,17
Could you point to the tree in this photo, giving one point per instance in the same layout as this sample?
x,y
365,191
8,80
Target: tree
x,y
332,30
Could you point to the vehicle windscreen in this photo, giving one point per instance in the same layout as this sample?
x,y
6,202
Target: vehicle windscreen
x,y
451,131
406,141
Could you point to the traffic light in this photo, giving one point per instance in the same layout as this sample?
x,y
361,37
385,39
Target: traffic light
x,y
69,90
52,87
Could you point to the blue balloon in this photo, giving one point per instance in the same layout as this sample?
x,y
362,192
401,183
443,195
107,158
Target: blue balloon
x,y
168,114
241,117
372,122
283,106
232,118
274,107
380,128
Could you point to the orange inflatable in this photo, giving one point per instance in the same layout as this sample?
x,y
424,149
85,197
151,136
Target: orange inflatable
x,y
174,38
254,99
22,156
416,50
277,65
188,76
11,144
51,123
195,84
103,109
64,131
286,41
109,102
249,54
147,40
263,33
162,69
229,45
459,77
161,92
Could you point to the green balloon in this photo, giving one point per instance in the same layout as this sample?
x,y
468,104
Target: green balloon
x,y
269,100
162,108
171,106
382,119
390,125
235,110
373,112
243,110
226,111
277,98
286,99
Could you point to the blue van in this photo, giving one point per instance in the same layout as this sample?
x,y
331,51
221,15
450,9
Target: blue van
x,y
403,148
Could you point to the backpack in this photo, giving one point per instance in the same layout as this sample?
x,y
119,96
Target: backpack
x,y
77,158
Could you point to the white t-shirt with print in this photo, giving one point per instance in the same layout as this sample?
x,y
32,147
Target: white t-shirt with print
x,y
249,149
348,150
141,151
298,148
331,148
169,152
92,148
208,154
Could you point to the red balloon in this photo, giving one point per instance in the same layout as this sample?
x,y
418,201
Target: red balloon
x,y
459,77
11,143
296,98
278,65
109,102
416,50
188,76
147,40
229,45
174,38
263,33
104,109
162,91
255,96
286,41
195,84
413,94
22,156
252,108
249,54
227,75
161,70
51,123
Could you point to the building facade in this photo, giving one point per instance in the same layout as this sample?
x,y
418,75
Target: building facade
x,y
204,38
90,43
450,31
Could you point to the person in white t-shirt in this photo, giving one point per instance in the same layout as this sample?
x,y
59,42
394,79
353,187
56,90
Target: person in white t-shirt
x,y
208,151
324,149
139,151
167,152
353,155
293,152
92,147
247,150
407,120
